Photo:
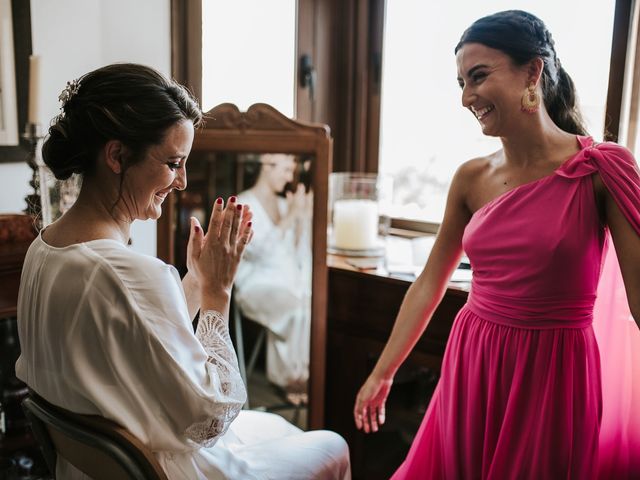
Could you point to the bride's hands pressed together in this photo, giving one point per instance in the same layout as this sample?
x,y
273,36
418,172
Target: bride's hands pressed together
x,y
213,257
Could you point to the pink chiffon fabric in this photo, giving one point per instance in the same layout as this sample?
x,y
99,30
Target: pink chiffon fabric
x,y
532,385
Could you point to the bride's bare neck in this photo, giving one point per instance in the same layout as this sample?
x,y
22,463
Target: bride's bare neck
x,y
92,217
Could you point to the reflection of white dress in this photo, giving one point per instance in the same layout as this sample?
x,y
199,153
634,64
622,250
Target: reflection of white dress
x,y
104,330
273,288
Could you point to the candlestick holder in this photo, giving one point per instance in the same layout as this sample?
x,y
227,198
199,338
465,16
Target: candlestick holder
x,y
33,136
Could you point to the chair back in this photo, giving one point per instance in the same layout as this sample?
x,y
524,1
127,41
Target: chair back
x,y
98,447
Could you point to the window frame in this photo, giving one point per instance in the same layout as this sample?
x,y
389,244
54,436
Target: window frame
x,y
345,40
22,48
621,36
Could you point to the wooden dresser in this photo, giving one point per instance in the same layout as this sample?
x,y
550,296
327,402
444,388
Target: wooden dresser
x,y
16,234
362,306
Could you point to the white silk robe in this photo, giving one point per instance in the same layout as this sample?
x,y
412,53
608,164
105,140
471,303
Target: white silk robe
x,y
105,331
273,288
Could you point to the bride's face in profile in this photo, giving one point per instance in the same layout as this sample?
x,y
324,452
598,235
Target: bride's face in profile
x,y
277,170
163,169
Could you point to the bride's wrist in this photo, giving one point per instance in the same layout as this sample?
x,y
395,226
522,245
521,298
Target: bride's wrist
x,y
190,280
215,298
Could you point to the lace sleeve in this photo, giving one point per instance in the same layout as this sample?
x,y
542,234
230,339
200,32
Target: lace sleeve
x,y
213,334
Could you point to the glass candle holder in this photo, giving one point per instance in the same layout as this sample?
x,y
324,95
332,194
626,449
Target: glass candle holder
x,y
354,214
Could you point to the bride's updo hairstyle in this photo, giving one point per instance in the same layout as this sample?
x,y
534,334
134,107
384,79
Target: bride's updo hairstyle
x,y
523,37
131,103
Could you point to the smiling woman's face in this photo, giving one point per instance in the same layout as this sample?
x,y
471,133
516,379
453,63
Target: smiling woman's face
x,y
149,181
492,87
277,170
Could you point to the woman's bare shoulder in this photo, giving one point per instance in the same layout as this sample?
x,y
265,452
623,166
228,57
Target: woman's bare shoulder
x,y
479,165
474,170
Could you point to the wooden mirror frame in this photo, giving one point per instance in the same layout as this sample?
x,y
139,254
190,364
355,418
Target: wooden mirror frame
x,y
263,129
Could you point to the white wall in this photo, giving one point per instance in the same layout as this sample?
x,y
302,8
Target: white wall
x,y
73,37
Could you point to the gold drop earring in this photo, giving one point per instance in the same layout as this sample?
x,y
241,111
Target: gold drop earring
x,y
530,99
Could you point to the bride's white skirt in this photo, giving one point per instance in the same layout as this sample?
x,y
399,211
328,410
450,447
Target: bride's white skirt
x,y
258,445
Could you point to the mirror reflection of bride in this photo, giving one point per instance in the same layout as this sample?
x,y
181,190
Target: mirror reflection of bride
x,y
273,285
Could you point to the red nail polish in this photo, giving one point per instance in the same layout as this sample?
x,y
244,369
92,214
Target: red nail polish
x,y
239,207
197,229
219,200
232,199
249,224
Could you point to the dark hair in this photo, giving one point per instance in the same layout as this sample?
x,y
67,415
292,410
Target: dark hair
x,y
251,171
523,37
131,103
253,166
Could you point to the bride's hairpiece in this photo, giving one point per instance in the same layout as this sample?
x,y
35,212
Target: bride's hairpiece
x,y
69,91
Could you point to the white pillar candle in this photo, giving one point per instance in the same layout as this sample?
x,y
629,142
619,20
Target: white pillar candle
x,y
355,224
34,89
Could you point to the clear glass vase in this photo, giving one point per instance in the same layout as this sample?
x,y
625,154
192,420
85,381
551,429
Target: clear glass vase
x,y
355,207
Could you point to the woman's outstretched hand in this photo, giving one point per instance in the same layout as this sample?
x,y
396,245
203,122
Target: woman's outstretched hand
x,y
213,258
369,410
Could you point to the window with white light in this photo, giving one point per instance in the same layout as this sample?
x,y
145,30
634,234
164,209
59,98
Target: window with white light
x,y
248,53
425,132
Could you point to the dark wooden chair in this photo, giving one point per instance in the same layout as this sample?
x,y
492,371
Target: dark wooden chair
x,y
98,447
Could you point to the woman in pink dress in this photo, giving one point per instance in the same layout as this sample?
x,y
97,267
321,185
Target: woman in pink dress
x,y
521,390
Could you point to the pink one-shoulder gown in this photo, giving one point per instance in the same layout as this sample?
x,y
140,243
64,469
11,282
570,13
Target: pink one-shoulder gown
x,y
522,392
